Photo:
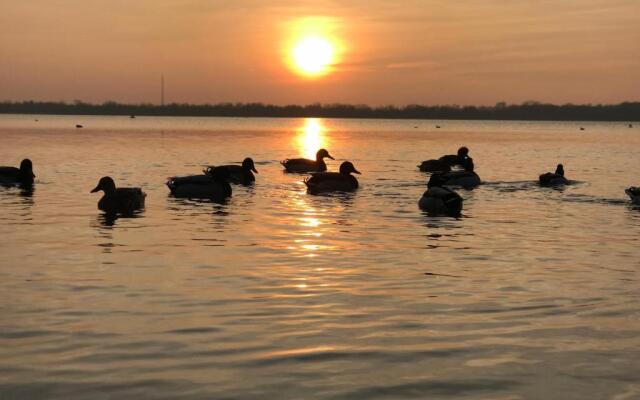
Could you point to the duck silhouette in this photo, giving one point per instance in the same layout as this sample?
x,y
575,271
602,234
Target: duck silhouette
x,y
553,178
440,200
118,200
304,165
214,185
343,181
444,163
18,176
241,174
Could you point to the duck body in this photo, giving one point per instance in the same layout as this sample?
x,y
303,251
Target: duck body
x,y
633,193
18,176
467,179
444,163
343,181
304,165
119,200
240,174
434,166
213,185
439,200
553,178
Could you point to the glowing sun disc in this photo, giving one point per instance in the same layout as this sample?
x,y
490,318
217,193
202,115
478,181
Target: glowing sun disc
x,y
313,55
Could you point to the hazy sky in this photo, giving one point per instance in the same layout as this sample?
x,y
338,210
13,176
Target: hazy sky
x,y
393,52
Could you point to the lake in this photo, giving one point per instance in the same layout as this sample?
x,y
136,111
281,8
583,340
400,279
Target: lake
x,y
533,293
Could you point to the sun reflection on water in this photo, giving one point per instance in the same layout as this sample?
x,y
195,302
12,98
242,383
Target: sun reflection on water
x,y
311,137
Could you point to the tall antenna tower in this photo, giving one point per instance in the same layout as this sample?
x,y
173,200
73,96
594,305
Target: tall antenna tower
x,y
162,90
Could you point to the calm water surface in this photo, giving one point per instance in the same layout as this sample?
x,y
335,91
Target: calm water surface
x,y
532,294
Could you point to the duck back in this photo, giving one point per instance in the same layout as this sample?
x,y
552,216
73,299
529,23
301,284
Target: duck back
x,y
552,179
199,186
303,165
441,201
123,200
330,182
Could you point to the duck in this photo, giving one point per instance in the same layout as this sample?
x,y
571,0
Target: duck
x,y
240,174
634,194
303,165
553,178
444,163
214,185
467,178
118,200
343,181
440,200
18,176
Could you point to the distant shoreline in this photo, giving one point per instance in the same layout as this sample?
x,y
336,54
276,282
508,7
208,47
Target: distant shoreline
x,y
531,111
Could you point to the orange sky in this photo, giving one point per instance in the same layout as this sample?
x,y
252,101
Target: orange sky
x,y
415,51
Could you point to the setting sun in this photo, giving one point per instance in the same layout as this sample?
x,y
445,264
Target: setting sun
x,y
313,55
313,47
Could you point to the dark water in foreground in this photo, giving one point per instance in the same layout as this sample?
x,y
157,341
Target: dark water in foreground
x,y
532,294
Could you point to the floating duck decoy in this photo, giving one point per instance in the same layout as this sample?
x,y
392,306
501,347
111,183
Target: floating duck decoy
x,y
303,165
553,178
118,200
242,174
214,185
467,178
343,181
17,176
634,194
439,200
444,163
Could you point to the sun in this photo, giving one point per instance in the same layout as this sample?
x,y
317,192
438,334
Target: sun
x,y
313,47
313,56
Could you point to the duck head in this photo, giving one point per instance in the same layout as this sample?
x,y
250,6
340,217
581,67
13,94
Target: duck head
x,y
106,184
322,153
347,168
26,168
248,164
463,152
560,170
436,180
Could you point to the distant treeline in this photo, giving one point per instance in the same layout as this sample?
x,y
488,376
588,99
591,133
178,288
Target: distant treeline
x,y
531,110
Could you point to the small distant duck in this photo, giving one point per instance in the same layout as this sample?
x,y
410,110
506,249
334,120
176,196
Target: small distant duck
x,y
214,185
303,165
634,194
120,200
467,179
17,176
439,200
444,163
241,174
78,126
553,178
343,181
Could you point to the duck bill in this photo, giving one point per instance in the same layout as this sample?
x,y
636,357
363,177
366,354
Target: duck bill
x,y
330,157
96,189
355,171
254,169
